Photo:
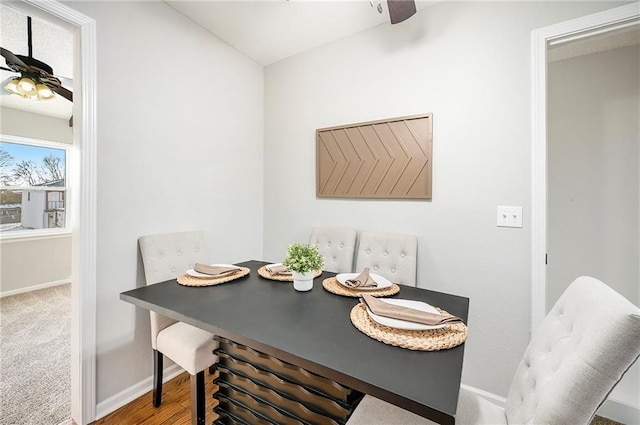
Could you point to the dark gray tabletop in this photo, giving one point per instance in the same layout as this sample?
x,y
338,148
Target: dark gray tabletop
x,y
312,330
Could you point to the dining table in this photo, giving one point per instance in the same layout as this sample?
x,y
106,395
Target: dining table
x,y
313,330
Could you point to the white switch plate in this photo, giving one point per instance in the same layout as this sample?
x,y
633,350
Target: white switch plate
x,y
509,216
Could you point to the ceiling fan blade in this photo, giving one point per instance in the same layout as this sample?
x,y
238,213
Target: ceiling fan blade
x,y
56,80
400,10
65,81
12,59
67,94
7,69
50,80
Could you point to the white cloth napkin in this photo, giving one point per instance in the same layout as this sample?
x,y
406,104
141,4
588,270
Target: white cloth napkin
x,y
409,314
278,269
215,271
363,280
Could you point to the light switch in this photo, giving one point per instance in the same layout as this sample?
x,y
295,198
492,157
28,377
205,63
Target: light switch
x,y
509,216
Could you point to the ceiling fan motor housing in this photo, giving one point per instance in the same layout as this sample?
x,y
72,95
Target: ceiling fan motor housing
x,y
35,63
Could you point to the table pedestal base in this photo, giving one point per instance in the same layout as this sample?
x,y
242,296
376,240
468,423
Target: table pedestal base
x,y
257,389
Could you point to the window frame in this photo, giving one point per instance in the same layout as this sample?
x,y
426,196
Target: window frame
x,y
48,232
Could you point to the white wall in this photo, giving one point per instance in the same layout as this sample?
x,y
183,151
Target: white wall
x,y
594,179
34,263
594,171
468,64
52,255
172,155
17,122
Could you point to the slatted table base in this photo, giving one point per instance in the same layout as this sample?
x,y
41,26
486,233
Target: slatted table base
x,y
255,388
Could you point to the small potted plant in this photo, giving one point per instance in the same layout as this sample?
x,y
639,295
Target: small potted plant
x,y
303,260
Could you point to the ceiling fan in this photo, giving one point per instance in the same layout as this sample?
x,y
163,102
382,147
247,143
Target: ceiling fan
x,y
399,10
36,80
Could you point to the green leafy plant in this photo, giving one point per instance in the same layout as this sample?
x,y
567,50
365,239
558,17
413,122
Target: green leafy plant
x,y
303,258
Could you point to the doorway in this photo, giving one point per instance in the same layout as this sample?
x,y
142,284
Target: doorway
x,y
593,182
82,216
586,174
36,143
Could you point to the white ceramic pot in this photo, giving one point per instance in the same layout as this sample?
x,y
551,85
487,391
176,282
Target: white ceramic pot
x,y
303,281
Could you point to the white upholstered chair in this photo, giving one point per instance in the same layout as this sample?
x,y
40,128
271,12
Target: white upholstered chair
x,y
337,246
164,257
577,355
391,256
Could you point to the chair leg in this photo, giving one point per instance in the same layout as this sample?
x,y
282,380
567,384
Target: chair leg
x,y
157,378
197,399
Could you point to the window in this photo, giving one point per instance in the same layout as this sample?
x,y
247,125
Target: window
x,y
33,185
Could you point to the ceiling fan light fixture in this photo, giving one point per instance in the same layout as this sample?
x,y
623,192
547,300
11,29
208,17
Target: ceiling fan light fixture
x,y
27,87
36,80
12,86
44,92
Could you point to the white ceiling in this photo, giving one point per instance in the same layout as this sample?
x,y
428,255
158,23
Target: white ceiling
x,y
267,31
271,30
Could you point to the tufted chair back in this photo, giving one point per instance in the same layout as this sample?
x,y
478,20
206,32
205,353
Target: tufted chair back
x,y
389,255
337,246
167,256
577,355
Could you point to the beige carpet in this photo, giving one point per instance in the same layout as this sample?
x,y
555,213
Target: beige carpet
x,y
35,359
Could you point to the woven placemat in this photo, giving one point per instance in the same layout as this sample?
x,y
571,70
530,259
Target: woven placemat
x,y
332,285
262,271
188,280
431,340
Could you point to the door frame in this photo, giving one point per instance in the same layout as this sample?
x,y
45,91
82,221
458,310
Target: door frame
x,y
574,29
82,200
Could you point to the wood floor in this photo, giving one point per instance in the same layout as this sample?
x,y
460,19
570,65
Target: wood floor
x,y
175,408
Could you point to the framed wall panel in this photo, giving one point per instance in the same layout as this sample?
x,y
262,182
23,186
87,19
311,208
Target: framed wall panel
x,y
389,159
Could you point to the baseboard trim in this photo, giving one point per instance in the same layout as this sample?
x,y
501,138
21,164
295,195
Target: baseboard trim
x,y
493,398
126,396
611,409
34,288
620,411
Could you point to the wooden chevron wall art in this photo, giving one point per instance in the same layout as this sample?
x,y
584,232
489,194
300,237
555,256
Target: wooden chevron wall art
x,y
386,159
